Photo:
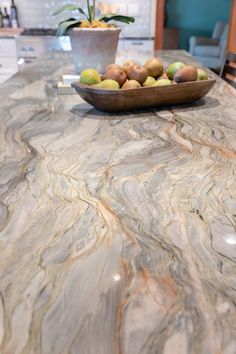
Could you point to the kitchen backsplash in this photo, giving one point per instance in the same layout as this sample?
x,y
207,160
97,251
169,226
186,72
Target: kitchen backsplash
x,y
37,13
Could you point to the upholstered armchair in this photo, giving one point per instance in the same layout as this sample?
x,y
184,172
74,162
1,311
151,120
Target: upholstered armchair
x,y
211,51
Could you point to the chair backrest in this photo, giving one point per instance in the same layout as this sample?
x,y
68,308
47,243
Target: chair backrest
x,y
229,70
223,46
218,30
224,37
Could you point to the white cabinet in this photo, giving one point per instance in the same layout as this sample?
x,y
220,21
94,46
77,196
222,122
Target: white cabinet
x,y
139,45
4,78
7,47
8,58
8,65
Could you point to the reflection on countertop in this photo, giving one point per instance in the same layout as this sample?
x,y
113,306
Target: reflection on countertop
x,y
117,232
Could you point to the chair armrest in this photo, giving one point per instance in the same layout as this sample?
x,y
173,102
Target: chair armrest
x,y
194,41
204,40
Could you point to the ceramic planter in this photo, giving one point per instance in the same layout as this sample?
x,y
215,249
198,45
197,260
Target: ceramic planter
x,y
94,47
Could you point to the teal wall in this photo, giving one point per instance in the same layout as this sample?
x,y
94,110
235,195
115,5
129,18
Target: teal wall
x,y
196,17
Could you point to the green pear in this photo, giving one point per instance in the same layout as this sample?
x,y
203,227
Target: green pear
x,y
173,68
150,81
131,84
201,74
162,82
108,85
90,77
154,67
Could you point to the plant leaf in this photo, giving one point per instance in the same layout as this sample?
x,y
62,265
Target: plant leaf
x,y
89,12
120,18
82,12
64,26
70,7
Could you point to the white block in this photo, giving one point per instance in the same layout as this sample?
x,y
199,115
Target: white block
x,y
68,79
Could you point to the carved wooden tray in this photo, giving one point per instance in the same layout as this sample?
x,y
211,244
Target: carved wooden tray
x,y
145,97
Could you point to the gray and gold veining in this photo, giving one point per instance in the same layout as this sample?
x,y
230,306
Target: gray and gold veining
x,y
117,232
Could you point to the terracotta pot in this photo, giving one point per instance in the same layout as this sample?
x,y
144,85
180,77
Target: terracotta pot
x,y
94,47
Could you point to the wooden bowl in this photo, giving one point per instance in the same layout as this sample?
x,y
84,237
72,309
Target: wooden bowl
x,y
145,97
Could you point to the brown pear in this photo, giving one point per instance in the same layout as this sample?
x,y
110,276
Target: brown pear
x,y
154,67
113,66
138,73
128,65
186,74
118,75
131,84
173,68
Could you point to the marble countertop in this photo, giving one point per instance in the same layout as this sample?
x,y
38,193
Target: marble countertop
x,y
117,232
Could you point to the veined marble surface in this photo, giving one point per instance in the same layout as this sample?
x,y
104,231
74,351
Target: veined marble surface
x,y
117,232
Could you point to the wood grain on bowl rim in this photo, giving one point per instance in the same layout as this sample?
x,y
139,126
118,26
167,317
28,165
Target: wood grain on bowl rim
x,y
145,97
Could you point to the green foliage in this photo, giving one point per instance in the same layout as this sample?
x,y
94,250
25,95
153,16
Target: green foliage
x,y
69,8
64,26
114,17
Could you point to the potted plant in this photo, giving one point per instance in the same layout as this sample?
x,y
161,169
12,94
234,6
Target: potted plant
x,y
94,40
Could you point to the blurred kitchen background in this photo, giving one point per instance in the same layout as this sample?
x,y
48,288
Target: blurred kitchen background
x,y
159,24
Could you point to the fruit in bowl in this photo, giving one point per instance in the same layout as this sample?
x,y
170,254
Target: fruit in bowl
x,y
128,65
138,73
201,74
173,68
115,73
186,74
108,84
154,67
162,82
149,82
135,76
90,77
131,84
